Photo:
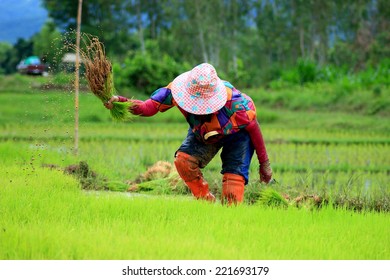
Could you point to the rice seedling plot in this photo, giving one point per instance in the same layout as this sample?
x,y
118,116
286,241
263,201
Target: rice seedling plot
x,y
45,209
330,165
345,170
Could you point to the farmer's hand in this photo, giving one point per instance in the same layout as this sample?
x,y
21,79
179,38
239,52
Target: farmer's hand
x,y
109,104
135,107
265,171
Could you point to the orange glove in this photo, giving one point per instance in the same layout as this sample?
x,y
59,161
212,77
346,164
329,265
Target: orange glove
x,y
265,171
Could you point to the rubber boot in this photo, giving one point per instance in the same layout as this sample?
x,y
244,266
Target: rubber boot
x,y
232,189
188,168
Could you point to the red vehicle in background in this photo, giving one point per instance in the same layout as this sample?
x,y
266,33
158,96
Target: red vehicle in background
x,y
32,66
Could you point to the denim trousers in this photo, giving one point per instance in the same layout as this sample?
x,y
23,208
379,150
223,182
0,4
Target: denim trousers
x,y
236,155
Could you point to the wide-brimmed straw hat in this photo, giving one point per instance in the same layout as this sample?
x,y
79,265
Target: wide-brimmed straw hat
x,y
199,91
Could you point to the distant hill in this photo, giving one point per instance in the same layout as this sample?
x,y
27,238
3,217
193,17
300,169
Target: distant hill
x,y
20,19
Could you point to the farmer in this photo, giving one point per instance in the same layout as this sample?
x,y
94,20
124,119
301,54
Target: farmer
x,y
220,117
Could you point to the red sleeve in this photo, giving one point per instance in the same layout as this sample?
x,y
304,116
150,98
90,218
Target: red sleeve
x,y
254,131
143,108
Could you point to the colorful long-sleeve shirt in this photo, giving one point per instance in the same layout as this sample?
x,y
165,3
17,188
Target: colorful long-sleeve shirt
x,y
238,113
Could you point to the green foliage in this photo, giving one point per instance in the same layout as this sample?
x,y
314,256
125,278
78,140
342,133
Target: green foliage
x,y
339,84
147,71
47,44
342,55
20,83
344,95
380,48
5,51
8,58
274,72
252,42
239,77
307,71
63,79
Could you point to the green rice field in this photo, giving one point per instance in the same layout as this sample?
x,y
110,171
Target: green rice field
x,y
46,213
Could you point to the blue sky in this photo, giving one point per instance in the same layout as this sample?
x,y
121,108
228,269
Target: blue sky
x,y
20,19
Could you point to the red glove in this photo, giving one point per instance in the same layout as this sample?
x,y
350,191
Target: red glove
x,y
265,171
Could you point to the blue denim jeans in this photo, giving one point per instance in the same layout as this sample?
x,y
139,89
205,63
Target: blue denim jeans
x,y
236,155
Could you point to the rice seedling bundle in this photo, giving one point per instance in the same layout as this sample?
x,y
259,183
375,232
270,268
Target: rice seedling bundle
x,y
160,178
271,197
98,72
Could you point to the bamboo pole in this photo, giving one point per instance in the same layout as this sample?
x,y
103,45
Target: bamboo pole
x,y
77,80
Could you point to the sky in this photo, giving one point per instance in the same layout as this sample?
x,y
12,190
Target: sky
x,y
20,19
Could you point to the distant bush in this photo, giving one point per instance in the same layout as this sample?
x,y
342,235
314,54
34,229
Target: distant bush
x,y
62,78
147,71
241,77
306,72
346,94
20,83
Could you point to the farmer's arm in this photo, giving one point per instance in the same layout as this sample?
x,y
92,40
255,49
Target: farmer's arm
x,y
143,108
160,101
256,136
257,140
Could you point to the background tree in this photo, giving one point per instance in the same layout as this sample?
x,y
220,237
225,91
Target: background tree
x,y
106,19
23,48
252,42
7,58
47,44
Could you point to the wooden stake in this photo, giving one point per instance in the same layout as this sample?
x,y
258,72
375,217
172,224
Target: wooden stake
x,y
77,80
